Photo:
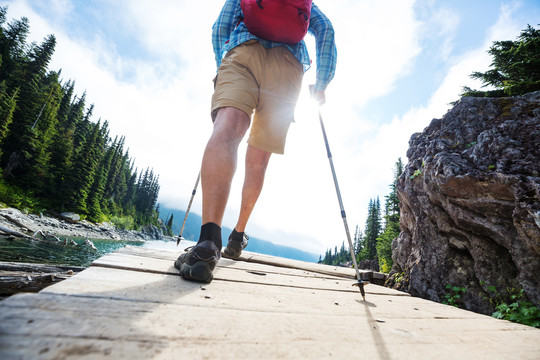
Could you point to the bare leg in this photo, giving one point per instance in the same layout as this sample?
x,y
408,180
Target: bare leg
x,y
256,164
219,162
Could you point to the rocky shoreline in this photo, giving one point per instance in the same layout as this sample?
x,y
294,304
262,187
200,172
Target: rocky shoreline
x,y
30,224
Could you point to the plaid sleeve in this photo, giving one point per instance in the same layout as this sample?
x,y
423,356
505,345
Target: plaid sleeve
x,y
228,19
321,27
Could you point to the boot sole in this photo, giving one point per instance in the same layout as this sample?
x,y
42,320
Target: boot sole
x,y
231,255
200,271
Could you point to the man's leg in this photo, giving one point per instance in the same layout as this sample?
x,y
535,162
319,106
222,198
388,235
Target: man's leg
x,y
217,171
219,162
256,164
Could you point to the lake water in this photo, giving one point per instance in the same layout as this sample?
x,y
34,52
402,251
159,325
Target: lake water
x,y
45,252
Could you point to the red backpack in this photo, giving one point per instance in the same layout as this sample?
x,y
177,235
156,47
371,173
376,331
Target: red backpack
x,y
284,21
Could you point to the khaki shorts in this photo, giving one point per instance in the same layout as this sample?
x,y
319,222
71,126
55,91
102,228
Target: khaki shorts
x,y
263,82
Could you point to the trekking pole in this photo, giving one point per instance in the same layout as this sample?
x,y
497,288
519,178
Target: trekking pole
x,y
187,211
360,283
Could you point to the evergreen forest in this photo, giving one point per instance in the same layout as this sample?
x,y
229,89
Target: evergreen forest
x,y
53,156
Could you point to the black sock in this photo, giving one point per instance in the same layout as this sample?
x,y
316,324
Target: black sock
x,y
211,231
237,236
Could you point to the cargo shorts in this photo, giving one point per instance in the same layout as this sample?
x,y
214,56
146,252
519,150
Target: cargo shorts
x,y
264,83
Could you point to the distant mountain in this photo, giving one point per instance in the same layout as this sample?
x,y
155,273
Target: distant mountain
x,y
193,226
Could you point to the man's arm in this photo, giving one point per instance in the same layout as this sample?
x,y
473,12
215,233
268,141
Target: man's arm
x,y
228,19
321,27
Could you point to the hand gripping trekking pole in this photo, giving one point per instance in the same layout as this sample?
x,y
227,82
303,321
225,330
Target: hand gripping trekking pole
x,y
360,283
187,211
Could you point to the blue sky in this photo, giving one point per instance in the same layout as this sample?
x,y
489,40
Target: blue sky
x,y
147,65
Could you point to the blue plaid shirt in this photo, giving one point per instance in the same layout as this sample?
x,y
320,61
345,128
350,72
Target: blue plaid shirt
x,y
228,31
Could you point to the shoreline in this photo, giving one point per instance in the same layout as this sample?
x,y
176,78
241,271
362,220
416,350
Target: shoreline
x,y
29,224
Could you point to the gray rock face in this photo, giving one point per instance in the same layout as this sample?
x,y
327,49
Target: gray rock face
x,y
470,203
153,232
71,217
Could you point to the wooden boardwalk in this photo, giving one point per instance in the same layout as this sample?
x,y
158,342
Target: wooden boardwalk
x,y
132,304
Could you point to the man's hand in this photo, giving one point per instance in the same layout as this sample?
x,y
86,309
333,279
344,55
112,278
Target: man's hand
x,y
317,95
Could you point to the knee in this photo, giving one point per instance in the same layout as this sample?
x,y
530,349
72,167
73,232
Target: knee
x,y
256,159
231,122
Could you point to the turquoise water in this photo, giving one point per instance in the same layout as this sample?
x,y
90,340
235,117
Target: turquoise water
x,y
46,252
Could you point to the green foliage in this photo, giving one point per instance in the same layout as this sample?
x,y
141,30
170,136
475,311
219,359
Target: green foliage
x,y
169,224
338,256
417,172
514,307
399,277
515,67
123,222
14,197
51,153
384,266
384,245
391,228
375,243
372,231
453,296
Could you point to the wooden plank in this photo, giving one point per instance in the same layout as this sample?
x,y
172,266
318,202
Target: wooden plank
x,y
225,270
264,259
49,326
237,295
155,263
135,305
223,262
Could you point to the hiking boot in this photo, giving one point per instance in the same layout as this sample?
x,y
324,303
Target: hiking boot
x,y
237,243
198,262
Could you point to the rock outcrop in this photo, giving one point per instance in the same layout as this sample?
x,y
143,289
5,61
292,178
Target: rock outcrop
x,y
470,203
15,220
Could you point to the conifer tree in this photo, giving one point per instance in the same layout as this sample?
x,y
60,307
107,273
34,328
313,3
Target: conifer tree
x,y
515,67
61,151
373,228
358,239
84,168
8,102
95,198
169,224
44,128
24,145
391,228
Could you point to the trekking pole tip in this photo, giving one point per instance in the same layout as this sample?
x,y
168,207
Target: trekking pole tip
x,y
360,285
178,239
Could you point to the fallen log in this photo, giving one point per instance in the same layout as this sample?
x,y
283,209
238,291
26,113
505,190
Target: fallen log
x,y
8,231
16,222
25,277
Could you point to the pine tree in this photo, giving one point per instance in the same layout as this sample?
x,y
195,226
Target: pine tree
x,y
84,168
169,225
27,141
70,112
8,102
358,239
515,67
44,129
13,48
373,228
391,228
95,197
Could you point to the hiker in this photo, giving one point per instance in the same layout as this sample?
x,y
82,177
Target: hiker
x,y
259,75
